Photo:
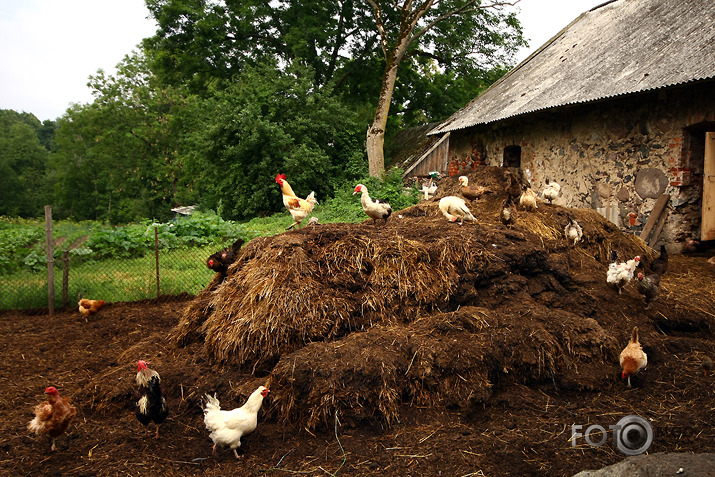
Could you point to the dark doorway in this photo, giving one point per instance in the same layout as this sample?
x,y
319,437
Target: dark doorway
x,y
512,156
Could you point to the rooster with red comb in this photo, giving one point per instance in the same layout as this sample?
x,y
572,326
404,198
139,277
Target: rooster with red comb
x,y
298,208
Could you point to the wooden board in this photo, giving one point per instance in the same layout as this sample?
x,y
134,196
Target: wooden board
x,y
707,224
655,216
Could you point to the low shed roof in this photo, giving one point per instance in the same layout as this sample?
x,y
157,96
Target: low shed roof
x,y
617,48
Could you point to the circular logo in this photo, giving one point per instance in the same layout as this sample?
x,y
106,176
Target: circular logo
x,y
634,435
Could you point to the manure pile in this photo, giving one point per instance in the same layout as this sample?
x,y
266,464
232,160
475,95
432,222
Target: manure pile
x,y
360,320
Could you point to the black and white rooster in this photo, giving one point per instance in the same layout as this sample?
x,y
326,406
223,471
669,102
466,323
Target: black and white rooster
x,y
151,403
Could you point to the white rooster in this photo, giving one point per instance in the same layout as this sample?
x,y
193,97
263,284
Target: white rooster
x,y
374,208
227,427
620,274
454,208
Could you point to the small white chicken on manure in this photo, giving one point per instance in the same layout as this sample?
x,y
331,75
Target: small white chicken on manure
x,y
620,274
528,198
551,191
632,358
573,232
454,208
227,427
374,208
430,190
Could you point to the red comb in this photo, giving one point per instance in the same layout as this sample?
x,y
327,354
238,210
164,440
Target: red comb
x,y
280,177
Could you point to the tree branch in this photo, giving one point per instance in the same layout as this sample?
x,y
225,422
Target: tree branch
x,y
380,26
466,7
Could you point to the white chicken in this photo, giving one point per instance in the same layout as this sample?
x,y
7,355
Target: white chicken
x,y
528,199
298,208
552,190
454,208
227,427
374,208
430,190
573,232
620,274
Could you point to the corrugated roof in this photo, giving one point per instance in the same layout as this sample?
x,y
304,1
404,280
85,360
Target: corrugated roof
x,y
620,47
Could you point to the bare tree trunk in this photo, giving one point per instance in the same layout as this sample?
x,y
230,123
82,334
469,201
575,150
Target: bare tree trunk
x,y
410,16
376,133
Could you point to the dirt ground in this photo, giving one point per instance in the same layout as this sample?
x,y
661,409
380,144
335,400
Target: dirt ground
x,y
483,376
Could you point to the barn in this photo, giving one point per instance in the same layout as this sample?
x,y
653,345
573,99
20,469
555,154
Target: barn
x,y
618,107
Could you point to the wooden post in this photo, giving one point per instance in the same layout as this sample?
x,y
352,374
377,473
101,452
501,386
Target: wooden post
x,y
707,224
156,252
655,219
50,260
65,278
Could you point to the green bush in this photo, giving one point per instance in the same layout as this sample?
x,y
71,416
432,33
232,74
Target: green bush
x,y
345,207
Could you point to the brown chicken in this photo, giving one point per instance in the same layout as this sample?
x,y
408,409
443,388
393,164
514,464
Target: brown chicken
x,y
471,192
221,260
513,186
53,416
632,358
298,208
90,307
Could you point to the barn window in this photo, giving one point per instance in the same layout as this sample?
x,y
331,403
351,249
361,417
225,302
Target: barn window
x,y
512,156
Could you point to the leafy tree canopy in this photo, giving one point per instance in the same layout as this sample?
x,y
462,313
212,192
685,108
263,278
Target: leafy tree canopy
x,y
118,158
207,43
23,159
269,122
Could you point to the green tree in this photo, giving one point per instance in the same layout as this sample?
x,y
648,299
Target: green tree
x,y
23,161
269,122
349,43
118,158
464,34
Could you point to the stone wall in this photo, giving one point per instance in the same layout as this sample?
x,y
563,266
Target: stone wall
x,y
617,156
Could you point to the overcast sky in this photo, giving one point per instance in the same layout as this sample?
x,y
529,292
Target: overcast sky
x,y
49,48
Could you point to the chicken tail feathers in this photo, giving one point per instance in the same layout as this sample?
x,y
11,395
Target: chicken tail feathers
x,y
35,426
212,404
634,335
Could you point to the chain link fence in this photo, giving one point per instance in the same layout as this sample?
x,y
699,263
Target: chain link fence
x,y
163,272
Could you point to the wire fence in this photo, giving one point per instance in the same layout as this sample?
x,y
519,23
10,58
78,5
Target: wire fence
x,y
162,272
178,272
